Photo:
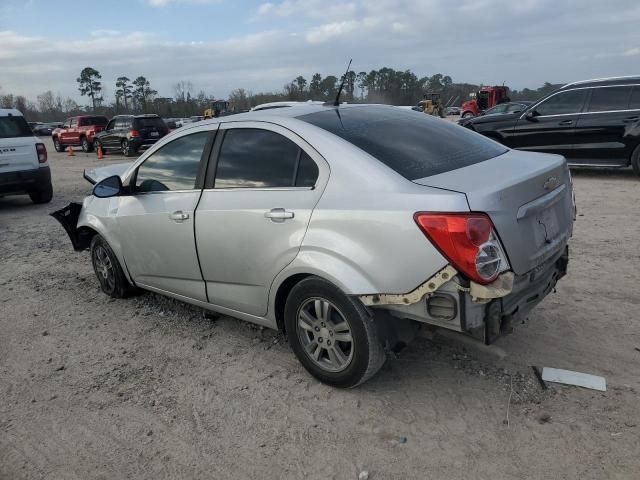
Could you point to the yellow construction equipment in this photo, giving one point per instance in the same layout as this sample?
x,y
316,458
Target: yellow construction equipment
x,y
218,108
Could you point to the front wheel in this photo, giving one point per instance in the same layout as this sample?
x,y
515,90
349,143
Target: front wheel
x,y
333,335
57,145
108,270
97,145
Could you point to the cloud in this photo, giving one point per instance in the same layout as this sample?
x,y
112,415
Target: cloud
x,y
164,3
478,41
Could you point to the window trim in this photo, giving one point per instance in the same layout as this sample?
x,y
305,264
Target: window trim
x,y
202,167
588,105
209,184
582,112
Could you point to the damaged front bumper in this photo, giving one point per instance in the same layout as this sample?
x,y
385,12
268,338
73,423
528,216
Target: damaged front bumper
x,y
68,218
482,311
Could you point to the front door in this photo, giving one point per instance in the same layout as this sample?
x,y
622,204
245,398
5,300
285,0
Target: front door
x,y
106,138
156,220
253,215
549,126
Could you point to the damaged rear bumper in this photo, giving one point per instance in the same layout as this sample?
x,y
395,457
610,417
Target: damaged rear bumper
x,y
484,313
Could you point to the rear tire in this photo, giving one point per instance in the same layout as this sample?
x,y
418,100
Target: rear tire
x,y
635,160
332,334
43,195
86,145
58,146
127,149
107,268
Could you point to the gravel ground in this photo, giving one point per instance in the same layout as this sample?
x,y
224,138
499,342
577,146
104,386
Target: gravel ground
x,y
95,388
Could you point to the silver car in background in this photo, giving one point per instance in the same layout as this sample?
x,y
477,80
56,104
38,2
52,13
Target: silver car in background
x,y
345,227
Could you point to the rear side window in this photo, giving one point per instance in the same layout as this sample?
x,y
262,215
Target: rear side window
x,y
86,121
254,158
609,98
149,122
174,166
14,126
634,102
413,144
563,103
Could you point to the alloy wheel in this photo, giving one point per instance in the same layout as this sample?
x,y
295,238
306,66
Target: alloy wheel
x,y
104,268
325,335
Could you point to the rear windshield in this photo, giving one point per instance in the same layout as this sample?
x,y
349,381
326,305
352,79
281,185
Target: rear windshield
x,y
102,121
413,144
149,122
14,127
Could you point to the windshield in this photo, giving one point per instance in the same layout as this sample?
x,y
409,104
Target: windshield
x,y
413,144
14,126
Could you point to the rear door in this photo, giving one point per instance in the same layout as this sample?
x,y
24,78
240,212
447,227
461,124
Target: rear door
x,y
601,132
17,145
254,212
551,127
156,219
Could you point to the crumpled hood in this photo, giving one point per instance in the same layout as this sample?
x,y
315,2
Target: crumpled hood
x,y
94,175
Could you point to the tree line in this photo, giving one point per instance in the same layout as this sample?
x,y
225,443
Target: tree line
x,y
386,85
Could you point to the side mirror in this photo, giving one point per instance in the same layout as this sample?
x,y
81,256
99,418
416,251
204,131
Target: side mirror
x,y
531,116
108,187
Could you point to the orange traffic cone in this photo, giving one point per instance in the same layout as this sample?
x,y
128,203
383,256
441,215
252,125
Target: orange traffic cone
x,y
71,152
100,155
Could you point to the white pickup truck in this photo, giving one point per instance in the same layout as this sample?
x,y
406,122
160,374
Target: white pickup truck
x,y
24,167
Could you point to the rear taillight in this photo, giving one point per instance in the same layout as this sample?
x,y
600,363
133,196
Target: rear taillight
x,y
42,152
134,133
468,241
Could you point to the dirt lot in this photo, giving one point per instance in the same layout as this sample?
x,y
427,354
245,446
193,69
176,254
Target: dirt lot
x,y
93,388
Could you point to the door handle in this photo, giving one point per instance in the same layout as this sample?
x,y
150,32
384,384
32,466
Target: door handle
x,y
179,216
565,122
279,215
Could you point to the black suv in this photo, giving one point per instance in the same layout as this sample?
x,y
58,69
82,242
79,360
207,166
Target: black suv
x,y
594,123
130,133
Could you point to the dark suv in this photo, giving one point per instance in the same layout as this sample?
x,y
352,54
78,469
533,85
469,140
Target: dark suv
x,y
594,123
130,133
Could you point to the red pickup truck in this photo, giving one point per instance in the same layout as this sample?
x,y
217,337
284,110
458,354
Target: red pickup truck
x,y
78,131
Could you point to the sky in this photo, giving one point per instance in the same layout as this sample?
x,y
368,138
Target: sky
x,y
220,45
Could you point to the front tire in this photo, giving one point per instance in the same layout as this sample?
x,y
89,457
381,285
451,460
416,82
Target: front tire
x,y
333,335
43,195
98,145
57,145
467,115
108,270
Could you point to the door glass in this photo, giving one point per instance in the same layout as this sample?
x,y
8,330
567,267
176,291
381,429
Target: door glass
x,y
111,124
307,172
563,103
174,166
609,98
73,122
254,158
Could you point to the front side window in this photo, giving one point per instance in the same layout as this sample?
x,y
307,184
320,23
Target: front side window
x,y
74,122
174,166
609,98
563,103
112,124
254,158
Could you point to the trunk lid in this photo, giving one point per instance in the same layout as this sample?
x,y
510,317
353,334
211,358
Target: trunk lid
x,y
528,197
18,153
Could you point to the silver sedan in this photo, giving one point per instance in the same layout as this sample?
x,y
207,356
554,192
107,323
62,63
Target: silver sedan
x,y
345,227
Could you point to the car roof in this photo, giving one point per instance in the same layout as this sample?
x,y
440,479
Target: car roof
x,y
275,105
599,82
6,112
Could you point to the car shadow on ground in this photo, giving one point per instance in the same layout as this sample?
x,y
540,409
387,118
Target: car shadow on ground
x,y
622,173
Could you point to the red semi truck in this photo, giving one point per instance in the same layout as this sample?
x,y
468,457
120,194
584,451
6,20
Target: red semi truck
x,y
78,131
484,99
